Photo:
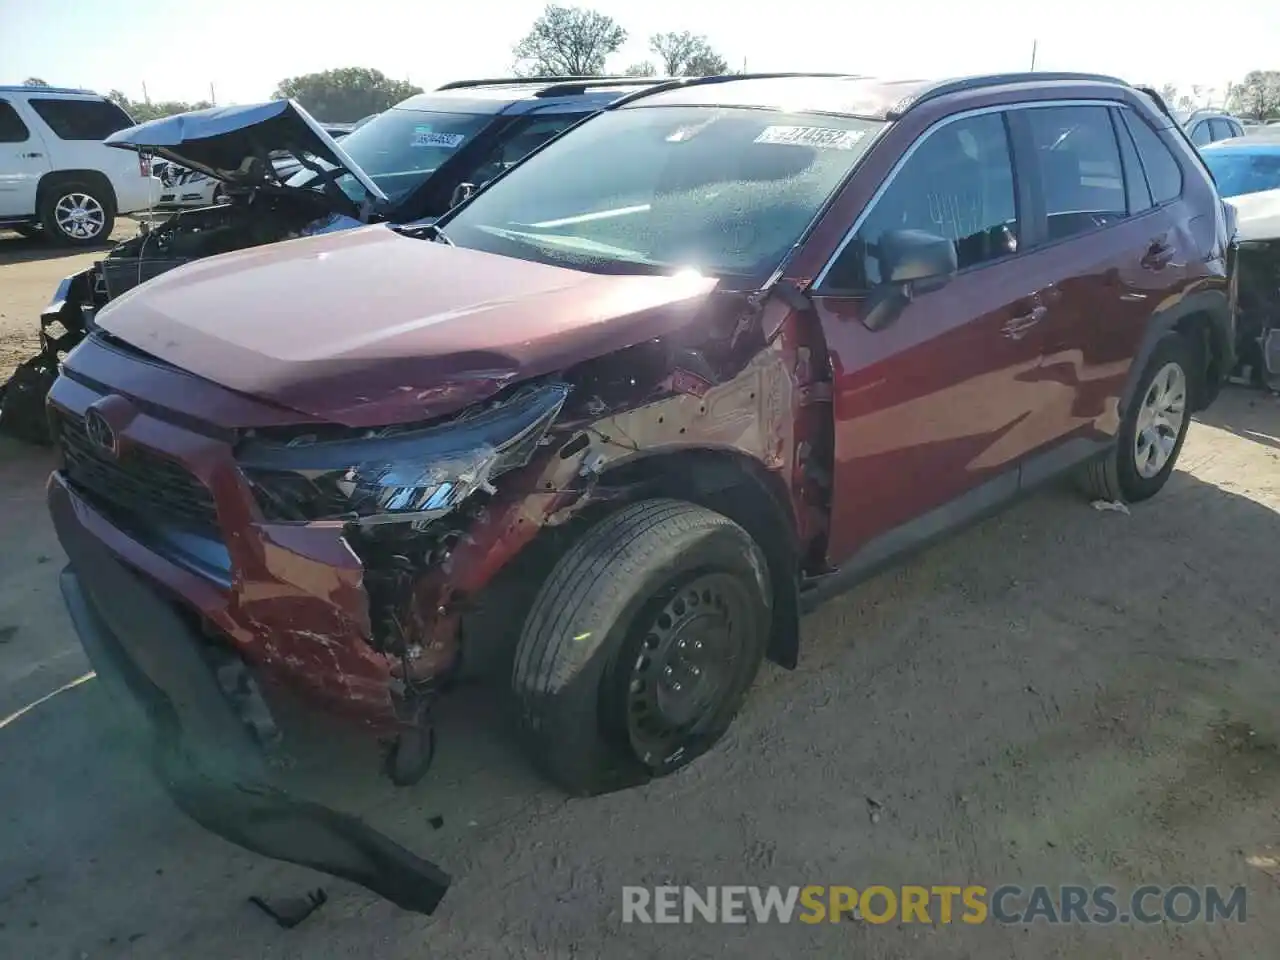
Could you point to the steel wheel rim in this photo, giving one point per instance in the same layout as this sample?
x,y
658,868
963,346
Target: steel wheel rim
x,y
685,667
79,216
1160,419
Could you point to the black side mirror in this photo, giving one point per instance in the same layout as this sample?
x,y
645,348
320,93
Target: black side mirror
x,y
912,262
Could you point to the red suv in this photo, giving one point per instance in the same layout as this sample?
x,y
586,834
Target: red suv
x,y
603,431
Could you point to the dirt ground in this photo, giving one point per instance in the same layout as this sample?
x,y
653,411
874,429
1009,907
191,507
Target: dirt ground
x,y
1057,696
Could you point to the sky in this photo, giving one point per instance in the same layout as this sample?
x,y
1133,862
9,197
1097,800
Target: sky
x,y
244,47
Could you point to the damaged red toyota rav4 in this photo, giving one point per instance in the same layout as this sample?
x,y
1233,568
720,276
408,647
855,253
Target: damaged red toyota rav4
x,y
603,431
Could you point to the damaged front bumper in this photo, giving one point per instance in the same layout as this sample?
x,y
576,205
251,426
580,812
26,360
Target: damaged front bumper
x,y
205,754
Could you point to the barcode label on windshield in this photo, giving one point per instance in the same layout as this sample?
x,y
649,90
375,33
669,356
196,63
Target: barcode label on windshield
x,y
423,137
827,138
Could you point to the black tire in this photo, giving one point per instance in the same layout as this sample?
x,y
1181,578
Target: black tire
x,y
52,195
596,646
1116,476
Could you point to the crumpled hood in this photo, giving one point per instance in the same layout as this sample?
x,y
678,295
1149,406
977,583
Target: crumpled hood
x,y
245,145
1257,215
369,327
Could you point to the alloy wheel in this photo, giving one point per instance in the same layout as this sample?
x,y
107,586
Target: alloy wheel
x,y
79,216
1160,418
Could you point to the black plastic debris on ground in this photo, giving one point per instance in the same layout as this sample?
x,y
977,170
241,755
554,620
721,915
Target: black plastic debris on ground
x,y
288,912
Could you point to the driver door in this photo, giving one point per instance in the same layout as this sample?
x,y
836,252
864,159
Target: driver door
x,y
934,412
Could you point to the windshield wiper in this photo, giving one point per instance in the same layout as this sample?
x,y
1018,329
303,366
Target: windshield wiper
x,y
419,230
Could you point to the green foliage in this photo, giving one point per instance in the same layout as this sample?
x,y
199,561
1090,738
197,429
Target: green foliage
x,y
1257,96
687,54
35,82
141,111
345,95
568,41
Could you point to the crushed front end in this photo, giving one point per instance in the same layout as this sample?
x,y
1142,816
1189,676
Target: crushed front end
x,y
210,568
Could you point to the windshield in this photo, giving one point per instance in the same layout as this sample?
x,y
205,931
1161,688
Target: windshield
x,y
1240,173
400,148
640,190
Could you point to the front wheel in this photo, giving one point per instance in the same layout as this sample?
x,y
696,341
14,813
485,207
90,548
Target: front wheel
x,y
641,645
1153,428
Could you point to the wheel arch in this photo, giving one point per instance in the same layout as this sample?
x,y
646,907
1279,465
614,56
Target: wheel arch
x,y
1204,317
93,178
741,488
724,480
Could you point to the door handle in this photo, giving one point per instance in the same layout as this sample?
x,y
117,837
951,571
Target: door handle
x,y
1015,328
32,156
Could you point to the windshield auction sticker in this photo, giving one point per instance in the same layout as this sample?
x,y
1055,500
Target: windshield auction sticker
x,y
426,137
827,138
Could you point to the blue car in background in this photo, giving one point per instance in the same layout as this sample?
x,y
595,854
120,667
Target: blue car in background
x,y
1248,164
1247,171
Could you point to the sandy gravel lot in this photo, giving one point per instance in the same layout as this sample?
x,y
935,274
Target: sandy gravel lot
x,y
1057,696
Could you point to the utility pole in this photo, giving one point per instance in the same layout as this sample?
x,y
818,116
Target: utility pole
x,y
1034,44
213,97
145,98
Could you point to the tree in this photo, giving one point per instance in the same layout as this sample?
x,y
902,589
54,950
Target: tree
x,y
568,41
642,69
35,82
345,95
142,111
1258,95
1169,94
687,55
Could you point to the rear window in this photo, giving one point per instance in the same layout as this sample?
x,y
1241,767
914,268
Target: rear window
x,y
12,129
1164,175
81,119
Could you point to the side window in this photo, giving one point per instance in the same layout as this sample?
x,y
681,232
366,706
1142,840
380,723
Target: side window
x,y
1080,173
1201,133
957,184
81,119
1164,175
1222,130
12,129
1135,184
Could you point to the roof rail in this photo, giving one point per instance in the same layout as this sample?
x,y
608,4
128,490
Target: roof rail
x,y
24,88
945,87
521,81
660,86
575,87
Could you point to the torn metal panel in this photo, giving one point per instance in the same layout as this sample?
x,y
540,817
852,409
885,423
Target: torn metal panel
x,y
772,410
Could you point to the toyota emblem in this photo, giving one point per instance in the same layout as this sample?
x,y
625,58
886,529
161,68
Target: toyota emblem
x,y
100,433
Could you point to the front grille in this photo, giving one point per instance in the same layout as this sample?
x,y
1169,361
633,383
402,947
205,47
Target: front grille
x,y
140,488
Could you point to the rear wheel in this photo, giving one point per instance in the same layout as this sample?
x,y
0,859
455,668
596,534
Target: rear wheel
x,y
1153,428
641,645
76,214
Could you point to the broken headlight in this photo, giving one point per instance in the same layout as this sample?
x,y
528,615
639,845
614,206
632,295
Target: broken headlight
x,y
399,474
